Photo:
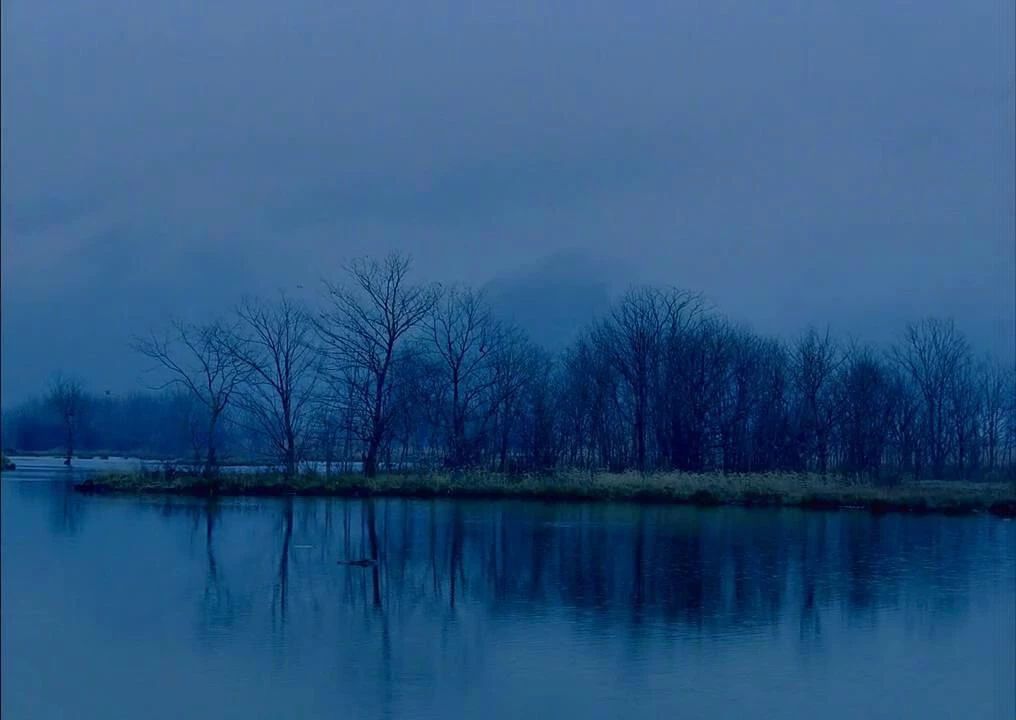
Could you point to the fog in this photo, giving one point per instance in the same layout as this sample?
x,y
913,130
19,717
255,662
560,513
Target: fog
x,y
840,163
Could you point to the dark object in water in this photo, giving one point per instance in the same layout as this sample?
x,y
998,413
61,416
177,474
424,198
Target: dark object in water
x,y
365,562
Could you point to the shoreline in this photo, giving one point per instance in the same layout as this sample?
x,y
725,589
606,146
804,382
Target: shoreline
x,y
707,490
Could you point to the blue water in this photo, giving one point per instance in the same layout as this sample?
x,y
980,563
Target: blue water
x,y
116,607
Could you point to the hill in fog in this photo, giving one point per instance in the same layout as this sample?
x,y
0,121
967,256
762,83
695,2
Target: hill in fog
x,y
554,298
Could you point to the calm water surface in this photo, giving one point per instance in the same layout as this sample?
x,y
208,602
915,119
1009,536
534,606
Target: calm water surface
x,y
171,608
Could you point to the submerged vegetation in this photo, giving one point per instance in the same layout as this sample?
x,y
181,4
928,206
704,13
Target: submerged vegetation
x,y
809,491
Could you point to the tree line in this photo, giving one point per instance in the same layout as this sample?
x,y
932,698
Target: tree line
x,y
71,420
390,374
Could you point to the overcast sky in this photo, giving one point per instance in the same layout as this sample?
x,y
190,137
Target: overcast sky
x,y
844,162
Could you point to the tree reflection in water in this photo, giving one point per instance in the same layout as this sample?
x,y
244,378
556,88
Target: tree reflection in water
x,y
446,573
715,570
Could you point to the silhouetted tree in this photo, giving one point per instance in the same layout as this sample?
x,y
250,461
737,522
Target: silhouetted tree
x,y
363,331
695,372
634,337
997,388
934,355
464,341
273,342
66,398
517,369
814,361
201,359
864,397
405,375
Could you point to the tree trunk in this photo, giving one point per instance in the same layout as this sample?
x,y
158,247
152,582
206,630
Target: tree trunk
x,y
640,433
211,462
70,443
370,459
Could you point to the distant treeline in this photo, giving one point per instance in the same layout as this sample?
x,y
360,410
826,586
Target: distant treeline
x,y
386,372
150,424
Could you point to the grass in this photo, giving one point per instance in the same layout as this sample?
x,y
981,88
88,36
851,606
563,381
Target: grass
x,y
787,490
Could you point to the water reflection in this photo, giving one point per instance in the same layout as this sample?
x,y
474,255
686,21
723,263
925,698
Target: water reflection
x,y
714,571
480,600
66,509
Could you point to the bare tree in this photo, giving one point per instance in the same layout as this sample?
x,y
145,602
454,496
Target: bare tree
x,y
364,330
274,346
635,330
592,390
905,437
964,411
739,399
997,387
771,442
515,367
634,336
865,418
393,372
814,361
200,359
327,424
933,353
464,339
695,372
67,399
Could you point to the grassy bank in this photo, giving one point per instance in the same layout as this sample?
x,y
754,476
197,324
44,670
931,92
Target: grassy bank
x,y
807,491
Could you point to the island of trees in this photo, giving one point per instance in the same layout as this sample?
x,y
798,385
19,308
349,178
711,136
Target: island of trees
x,y
388,375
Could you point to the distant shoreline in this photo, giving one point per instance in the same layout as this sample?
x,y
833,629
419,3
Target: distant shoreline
x,y
769,490
140,457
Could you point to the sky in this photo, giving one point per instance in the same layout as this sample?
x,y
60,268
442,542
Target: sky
x,y
846,163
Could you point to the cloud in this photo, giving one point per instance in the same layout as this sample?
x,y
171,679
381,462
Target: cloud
x,y
834,162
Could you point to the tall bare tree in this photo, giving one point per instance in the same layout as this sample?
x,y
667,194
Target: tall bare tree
x,y
200,359
694,376
464,340
274,344
865,403
934,353
634,336
66,397
814,362
997,387
964,411
516,366
739,399
364,330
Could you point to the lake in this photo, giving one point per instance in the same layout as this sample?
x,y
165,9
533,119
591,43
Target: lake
x,y
121,607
